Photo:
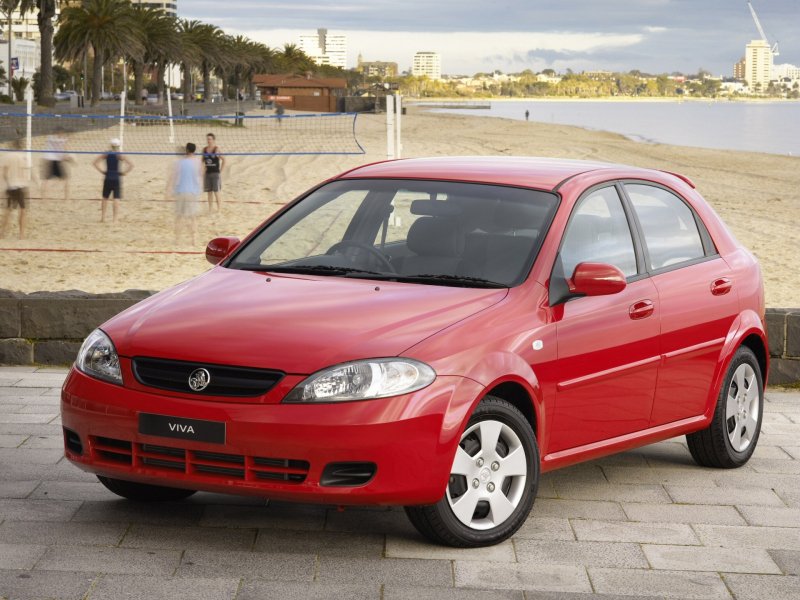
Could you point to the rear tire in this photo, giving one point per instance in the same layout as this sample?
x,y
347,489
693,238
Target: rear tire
x,y
142,492
730,439
493,481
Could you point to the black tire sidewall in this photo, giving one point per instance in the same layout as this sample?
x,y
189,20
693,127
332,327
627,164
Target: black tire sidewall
x,y
496,409
743,356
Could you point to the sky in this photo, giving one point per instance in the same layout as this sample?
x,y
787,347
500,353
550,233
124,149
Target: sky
x,y
473,36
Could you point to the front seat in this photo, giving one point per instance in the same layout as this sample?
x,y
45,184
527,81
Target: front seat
x,y
436,244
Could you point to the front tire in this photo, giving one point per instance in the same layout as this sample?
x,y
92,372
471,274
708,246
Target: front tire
x,y
730,439
142,492
493,481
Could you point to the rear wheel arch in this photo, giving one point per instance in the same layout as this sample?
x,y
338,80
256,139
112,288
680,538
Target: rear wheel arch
x,y
756,344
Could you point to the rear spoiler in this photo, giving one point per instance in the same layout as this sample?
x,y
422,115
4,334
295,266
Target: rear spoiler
x,y
682,178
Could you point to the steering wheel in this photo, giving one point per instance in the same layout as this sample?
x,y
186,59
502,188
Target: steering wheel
x,y
376,254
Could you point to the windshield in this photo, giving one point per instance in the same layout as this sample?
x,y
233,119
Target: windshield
x,y
434,232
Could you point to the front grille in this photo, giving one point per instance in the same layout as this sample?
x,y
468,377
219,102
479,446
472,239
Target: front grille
x,y
173,375
169,460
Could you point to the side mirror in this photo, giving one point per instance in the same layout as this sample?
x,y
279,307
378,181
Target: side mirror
x,y
596,279
219,248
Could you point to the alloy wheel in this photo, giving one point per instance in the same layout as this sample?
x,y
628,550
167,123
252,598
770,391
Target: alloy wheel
x,y
742,406
487,480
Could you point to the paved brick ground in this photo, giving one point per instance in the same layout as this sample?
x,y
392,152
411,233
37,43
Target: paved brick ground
x,y
646,523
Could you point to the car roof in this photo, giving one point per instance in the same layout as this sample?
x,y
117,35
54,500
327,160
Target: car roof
x,y
523,171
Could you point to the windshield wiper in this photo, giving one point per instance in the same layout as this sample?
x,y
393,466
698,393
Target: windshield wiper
x,y
306,269
450,280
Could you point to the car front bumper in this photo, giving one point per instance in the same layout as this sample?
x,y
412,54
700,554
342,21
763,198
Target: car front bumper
x,y
273,450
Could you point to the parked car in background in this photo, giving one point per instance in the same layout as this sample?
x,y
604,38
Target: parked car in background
x,y
107,96
177,96
65,95
152,99
433,333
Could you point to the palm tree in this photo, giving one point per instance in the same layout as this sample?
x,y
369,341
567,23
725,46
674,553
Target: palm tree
x,y
189,34
293,60
7,7
47,11
156,32
104,28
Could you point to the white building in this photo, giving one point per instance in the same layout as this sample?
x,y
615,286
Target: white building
x,y
325,49
168,6
758,64
785,71
427,64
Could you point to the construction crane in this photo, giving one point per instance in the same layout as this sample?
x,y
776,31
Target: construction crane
x,y
775,50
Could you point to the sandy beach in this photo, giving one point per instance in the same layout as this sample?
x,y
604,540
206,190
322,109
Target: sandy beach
x,y
758,195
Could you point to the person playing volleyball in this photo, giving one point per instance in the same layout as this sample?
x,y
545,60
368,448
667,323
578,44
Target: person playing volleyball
x,y
112,177
184,187
14,174
53,164
213,162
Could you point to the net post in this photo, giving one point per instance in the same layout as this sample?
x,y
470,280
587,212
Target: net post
x,y
398,112
169,115
389,126
123,97
29,129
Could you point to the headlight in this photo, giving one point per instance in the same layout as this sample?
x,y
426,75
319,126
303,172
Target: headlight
x,y
364,380
98,358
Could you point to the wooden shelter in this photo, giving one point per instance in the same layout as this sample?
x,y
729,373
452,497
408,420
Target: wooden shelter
x,y
302,93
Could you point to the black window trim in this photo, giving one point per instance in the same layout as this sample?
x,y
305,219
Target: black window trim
x,y
527,269
638,249
710,251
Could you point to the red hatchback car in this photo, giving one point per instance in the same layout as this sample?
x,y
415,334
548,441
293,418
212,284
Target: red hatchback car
x,y
433,333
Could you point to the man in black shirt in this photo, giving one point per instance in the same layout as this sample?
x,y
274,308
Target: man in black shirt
x,y
214,162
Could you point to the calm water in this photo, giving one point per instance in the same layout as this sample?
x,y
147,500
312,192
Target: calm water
x,y
772,127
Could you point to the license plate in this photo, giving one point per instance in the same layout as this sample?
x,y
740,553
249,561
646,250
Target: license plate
x,y
196,430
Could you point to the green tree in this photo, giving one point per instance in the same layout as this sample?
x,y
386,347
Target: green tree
x,y
47,12
104,29
19,85
202,48
160,44
7,8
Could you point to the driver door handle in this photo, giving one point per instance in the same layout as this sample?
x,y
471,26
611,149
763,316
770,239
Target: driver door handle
x,y
641,309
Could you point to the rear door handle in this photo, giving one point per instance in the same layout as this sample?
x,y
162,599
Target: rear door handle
x,y
721,286
641,309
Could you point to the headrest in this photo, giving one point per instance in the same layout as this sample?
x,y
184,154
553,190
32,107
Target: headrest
x,y
436,236
434,208
518,215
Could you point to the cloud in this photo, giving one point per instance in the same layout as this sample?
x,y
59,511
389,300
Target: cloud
x,y
466,51
652,35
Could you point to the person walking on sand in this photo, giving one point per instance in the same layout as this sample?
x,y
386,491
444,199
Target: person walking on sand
x,y
214,162
16,181
112,177
527,114
184,186
54,159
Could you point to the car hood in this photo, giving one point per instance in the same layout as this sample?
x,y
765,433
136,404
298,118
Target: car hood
x,y
294,323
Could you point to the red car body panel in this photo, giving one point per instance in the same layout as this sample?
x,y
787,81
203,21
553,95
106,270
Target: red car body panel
x,y
595,379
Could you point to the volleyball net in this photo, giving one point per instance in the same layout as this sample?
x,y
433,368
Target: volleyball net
x,y
237,134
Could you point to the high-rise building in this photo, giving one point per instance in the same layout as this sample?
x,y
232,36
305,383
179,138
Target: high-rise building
x,y
168,6
739,69
428,64
325,49
758,64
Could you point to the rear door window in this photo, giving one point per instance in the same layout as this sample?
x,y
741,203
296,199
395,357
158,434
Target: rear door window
x,y
670,231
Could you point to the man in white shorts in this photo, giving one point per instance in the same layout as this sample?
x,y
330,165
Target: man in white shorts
x,y
185,185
